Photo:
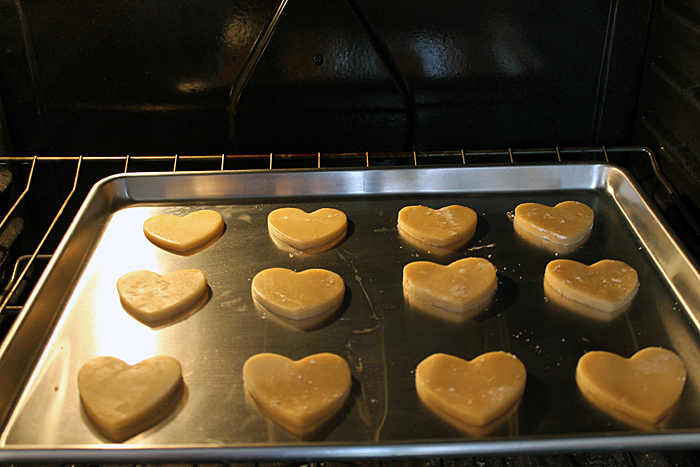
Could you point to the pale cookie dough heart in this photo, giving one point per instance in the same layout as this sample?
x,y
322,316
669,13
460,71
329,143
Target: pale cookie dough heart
x,y
298,295
123,400
567,223
150,297
302,230
646,386
476,392
607,285
460,286
300,393
439,227
183,234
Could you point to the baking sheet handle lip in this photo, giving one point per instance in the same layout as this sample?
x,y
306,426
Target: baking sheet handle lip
x,y
135,187
682,276
349,451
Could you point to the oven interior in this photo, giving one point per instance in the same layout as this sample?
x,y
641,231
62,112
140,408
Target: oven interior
x,y
88,91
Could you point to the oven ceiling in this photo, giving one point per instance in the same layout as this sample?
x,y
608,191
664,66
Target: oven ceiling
x,y
118,77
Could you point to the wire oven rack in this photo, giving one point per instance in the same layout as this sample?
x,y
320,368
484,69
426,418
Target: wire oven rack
x,y
41,195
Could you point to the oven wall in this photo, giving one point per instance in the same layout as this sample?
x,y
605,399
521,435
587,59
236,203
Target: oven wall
x,y
669,104
243,76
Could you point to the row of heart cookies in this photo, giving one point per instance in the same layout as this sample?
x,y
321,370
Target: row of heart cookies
x,y
464,286
302,396
567,223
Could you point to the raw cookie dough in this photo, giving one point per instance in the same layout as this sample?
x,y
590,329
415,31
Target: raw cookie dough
x,y
460,286
299,393
151,297
567,223
182,234
645,387
476,392
302,230
298,295
607,285
438,227
123,400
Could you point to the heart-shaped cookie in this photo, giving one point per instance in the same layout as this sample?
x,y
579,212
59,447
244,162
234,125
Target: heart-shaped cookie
x,y
298,295
476,392
302,230
123,400
646,386
438,227
460,286
567,223
150,297
300,393
184,234
607,285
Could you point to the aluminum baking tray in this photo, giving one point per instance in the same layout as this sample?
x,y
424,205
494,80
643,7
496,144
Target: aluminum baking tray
x,y
74,315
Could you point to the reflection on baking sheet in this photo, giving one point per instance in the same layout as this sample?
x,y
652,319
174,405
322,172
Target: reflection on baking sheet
x,y
117,333
315,431
440,251
180,316
199,248
579,308
546,244
309,251
414,303
623,417
308,324
503,425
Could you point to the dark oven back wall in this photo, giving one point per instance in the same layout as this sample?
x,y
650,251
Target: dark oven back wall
x,y
244,76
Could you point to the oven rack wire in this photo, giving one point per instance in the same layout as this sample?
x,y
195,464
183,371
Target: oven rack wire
x,y
46,192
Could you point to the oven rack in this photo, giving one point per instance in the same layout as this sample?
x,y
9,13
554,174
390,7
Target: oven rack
x,y
47,191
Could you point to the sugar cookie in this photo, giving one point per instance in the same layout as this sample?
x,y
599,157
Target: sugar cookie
x,y
302,230
300,393
460,286
438,227
607,285
646,386
476,392
566,223
183,234
123,400
298,295
151,297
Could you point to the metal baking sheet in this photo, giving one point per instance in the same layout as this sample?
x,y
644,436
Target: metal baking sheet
x,y
74,315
